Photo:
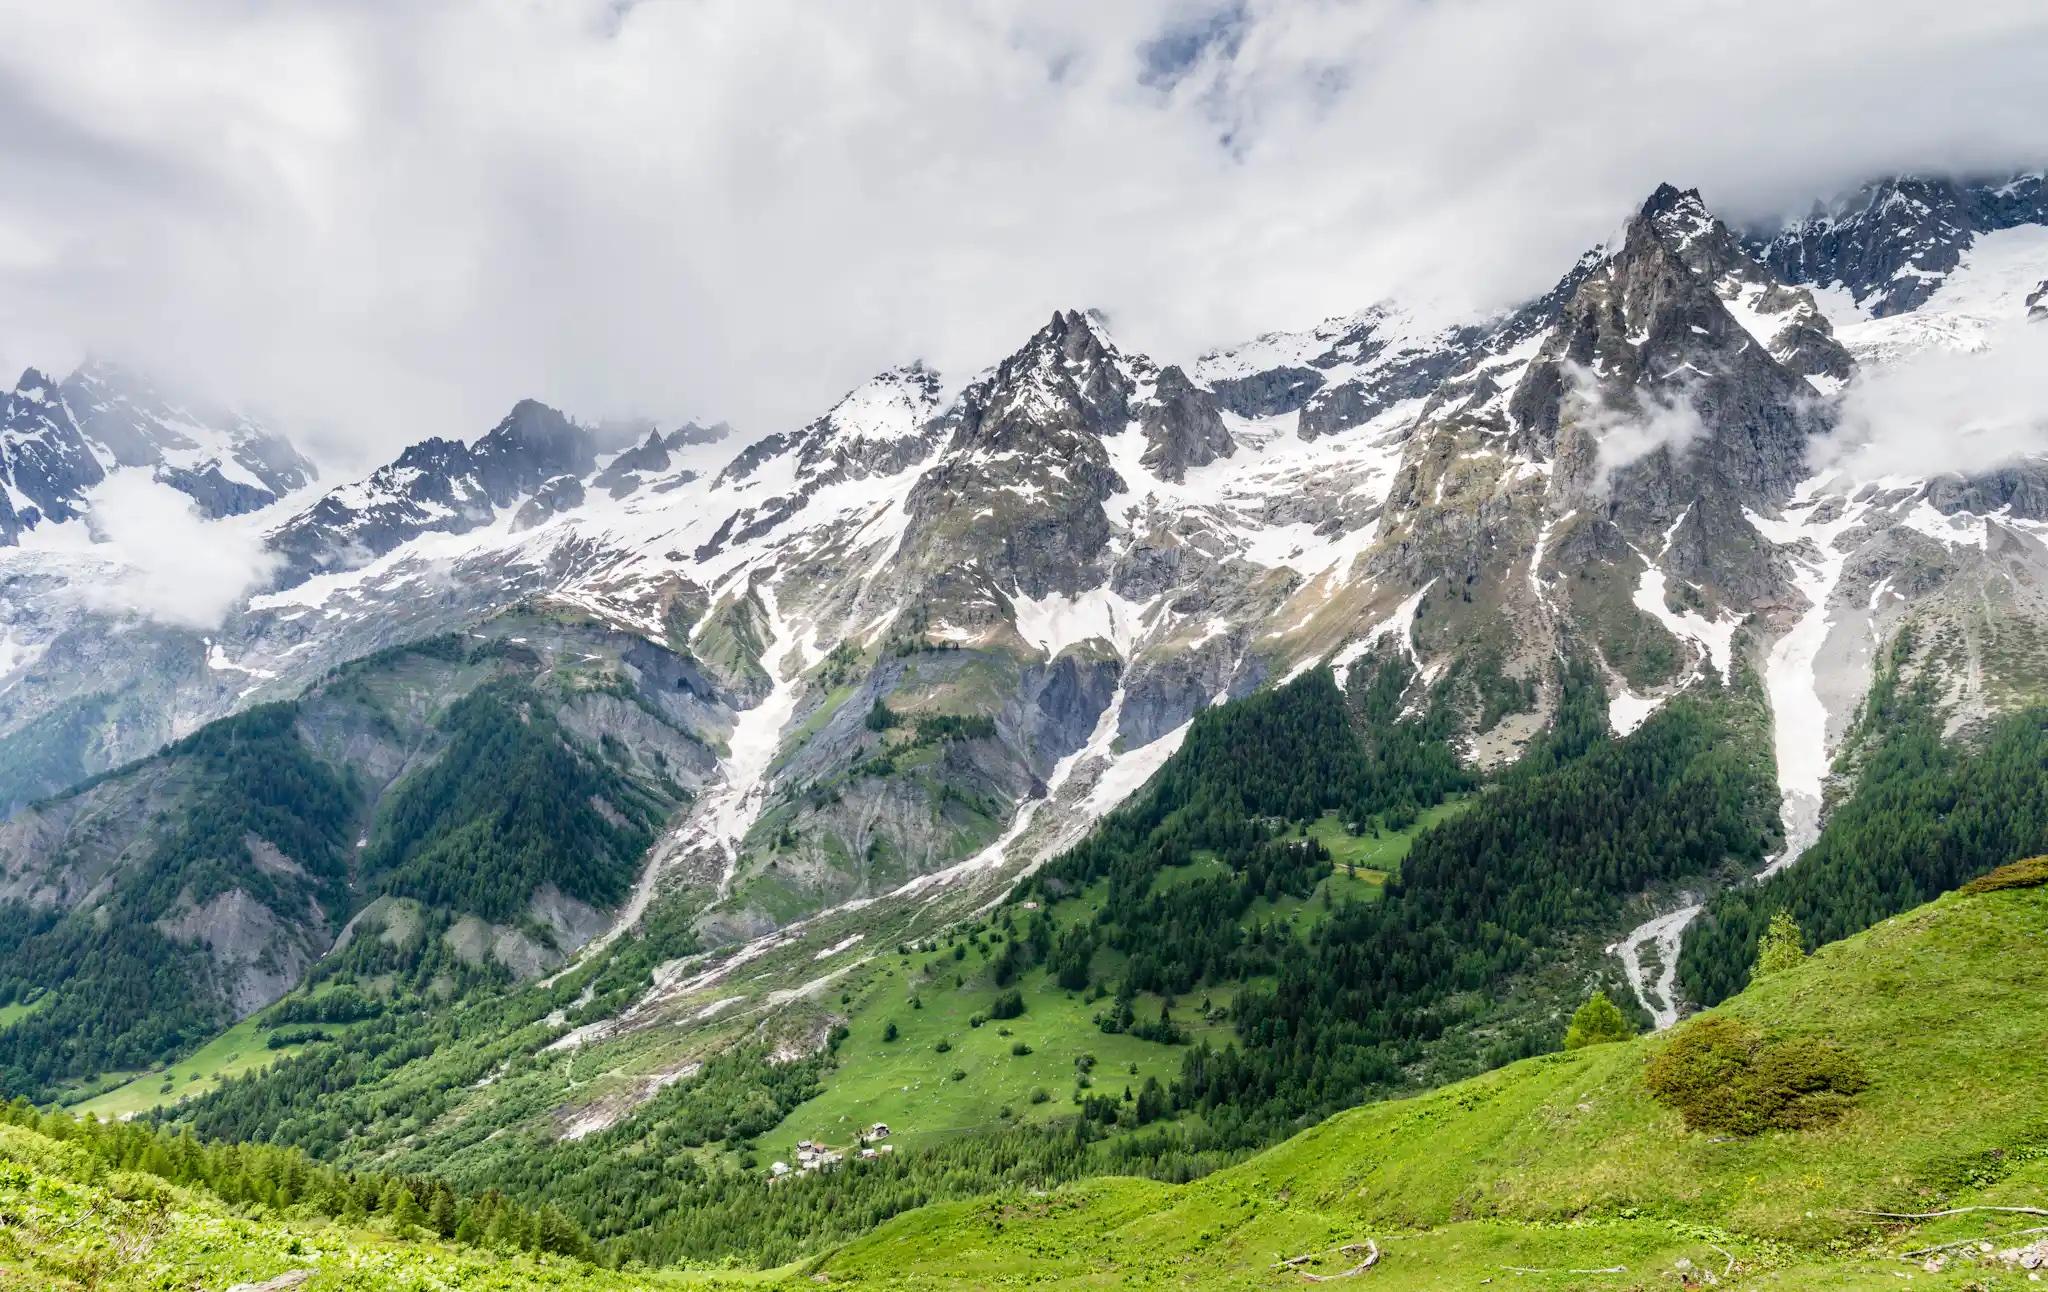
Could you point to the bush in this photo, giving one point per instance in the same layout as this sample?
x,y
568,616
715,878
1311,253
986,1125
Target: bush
x,y
1782,947
889,1032
943,1046
2031,873
1020,1049
1598,1021
1008,1005
1724,1075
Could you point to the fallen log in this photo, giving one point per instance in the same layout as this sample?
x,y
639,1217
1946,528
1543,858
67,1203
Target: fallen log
x,y
1369,1247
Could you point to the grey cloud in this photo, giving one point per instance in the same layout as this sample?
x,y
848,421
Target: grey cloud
x,y
390,220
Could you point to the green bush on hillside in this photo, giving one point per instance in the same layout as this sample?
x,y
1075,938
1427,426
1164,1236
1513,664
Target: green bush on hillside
x,y
2031,873
1597,1022
1724,1075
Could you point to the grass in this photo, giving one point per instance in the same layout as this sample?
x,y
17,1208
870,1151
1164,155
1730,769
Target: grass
x,y
73,1226
1383,853
1564,1161
908,1082
12,1014
238,1050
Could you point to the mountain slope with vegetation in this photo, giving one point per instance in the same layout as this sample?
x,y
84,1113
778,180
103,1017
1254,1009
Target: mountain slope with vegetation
x,y
1567,1171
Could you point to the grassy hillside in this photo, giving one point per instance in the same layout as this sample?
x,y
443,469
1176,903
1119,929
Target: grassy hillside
x,y
72,1224
1566,1164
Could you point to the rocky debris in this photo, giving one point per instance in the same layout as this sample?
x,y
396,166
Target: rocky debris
x,y
281,1283
2037,302
1892,244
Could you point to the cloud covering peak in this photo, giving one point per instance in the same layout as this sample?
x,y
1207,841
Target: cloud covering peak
x,y
390,220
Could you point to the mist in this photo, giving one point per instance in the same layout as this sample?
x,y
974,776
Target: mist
x,y
1945,410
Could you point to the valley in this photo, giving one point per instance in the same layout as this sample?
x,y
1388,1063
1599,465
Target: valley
x,y
1186,803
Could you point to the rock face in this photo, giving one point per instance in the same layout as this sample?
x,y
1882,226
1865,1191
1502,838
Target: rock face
x,y
436,486
1650,395
59,440
1182,428
1892,244
1024,447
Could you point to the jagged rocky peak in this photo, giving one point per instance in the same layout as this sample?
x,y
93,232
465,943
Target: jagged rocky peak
x,y
1784,319
436,485
1893,243
1015,500
59,440
228,461
532,445
1650,393
1068,378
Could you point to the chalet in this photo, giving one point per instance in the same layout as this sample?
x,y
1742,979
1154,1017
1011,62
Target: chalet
x,y
868,1155
778,1169
880,1130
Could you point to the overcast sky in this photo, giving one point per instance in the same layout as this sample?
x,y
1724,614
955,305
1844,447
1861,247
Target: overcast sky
x,y
384,219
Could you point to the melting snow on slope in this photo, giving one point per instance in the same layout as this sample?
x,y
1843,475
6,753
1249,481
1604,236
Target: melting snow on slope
x,y
1058,621
1799,718
1401,623
1716,637
756,734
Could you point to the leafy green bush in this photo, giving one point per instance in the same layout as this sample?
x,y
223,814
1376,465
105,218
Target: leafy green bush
x,y
1783,947
1724,1075
1598,1021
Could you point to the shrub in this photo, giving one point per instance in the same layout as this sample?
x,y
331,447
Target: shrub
x,y
889,1032
1724,1075
1781,947
1039,1095
1020,1049
2031,873
1008,1005
1598,1021
943,1046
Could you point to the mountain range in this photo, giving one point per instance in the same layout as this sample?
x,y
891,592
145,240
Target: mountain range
x,y
621,753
